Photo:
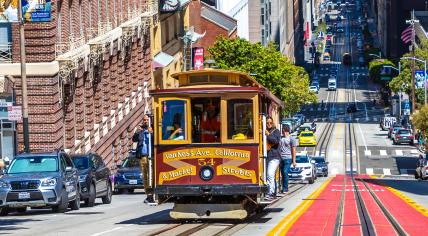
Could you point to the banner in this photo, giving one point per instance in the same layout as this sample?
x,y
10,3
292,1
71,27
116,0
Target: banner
x,y
419,78
32,10
198,58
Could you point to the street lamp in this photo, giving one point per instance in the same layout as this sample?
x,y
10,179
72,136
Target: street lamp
x,y
425,78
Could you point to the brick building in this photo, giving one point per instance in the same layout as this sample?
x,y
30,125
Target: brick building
x,y
87,71
209,23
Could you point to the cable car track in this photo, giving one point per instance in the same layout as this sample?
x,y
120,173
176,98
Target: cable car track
x,y
225,227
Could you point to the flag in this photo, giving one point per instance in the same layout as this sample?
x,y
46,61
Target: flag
x,y
407,34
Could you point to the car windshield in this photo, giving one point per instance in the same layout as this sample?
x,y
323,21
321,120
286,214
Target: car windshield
x,y
319,160
81,162
332,84
131,162
406,132
302,159
304,128
307,134
32,164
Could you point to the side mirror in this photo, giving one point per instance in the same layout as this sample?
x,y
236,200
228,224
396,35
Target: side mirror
x,y
68,169
313,161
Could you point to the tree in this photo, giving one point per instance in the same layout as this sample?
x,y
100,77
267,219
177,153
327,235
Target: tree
x,y
375,68
288,82
420,121
403,81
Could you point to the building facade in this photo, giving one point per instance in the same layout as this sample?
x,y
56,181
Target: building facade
x,y
87,71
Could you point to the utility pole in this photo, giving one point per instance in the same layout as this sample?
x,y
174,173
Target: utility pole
x,y
412,23
23,79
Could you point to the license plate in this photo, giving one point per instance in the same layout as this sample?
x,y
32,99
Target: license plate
x,y
23,195
133,181
294,175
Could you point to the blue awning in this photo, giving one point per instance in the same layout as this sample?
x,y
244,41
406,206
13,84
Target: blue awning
x,y
161,60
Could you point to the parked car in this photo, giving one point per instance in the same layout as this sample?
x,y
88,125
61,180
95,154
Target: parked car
x,y
300,117
321,166
94,178
40,180
314,89
304,169
403,136
128,176
393,129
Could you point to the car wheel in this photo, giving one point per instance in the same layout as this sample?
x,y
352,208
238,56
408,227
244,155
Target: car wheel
x,y
118,191
63,203
21,209
75,204
131,190
90,202
4,211
107,198
311,180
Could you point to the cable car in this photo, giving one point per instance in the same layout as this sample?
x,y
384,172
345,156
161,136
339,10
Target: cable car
x,y
209,144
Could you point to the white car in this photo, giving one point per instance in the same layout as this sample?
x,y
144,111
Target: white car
x,y
304,170
313,89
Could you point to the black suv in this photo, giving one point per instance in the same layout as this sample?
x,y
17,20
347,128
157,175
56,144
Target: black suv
x,y
40,180
94,178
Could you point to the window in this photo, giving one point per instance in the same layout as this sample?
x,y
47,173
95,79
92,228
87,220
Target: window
x,y
223,79
206,124
240,124
173,120
198,79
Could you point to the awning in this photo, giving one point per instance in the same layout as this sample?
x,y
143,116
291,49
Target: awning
x,y
161,60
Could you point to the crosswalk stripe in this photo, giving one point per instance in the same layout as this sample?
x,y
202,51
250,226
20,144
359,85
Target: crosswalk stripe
x,y
367,152
317,153
383,152
386,171
369,171
414,151
399,152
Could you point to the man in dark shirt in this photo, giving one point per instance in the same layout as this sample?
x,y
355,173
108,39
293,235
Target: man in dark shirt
x,y
420,166
273,155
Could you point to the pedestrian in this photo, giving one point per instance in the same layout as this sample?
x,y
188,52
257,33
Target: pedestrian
x,y
144,137
273,156
287,147
420,164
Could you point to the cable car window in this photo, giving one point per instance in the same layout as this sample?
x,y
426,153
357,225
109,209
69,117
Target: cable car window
x,y
240,123
198,79
205,120
219,79
173,120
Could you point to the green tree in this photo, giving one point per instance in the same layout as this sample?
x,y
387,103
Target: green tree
x,y
375,67
403,81
288,82
420,121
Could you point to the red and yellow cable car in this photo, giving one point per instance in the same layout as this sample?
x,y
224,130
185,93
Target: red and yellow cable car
x,y
210,145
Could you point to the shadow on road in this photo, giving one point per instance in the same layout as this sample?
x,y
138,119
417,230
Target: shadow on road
x,y
409,186
12,224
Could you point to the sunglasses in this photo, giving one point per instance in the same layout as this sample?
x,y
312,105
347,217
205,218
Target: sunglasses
x,y
269,122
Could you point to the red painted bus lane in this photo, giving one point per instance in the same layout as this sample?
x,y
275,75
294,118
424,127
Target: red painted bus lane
x,y
351,224
320,217
380,223
413,222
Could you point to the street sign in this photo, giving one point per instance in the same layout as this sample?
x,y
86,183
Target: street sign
x,y
406,107
419,78
14,113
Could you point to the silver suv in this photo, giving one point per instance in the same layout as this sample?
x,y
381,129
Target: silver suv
x,y
40,180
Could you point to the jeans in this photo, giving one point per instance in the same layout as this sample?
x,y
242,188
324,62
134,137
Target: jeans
x,y
286,163
271,172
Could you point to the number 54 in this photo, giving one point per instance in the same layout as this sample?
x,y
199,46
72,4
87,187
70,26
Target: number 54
x,y
203,162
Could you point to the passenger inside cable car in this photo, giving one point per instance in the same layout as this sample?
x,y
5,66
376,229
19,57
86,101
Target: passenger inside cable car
x,y
206,120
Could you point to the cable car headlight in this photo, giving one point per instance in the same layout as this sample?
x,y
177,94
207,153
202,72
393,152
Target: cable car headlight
x,y
206,173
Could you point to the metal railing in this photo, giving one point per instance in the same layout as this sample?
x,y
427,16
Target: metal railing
x,y
6,53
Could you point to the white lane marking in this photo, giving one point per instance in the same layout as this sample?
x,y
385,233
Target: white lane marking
x,y
367,153
362,136
369,171
386,171
399,152
383,153
107,231
328,95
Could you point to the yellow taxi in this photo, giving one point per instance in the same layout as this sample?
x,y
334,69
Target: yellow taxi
x,y
307,138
